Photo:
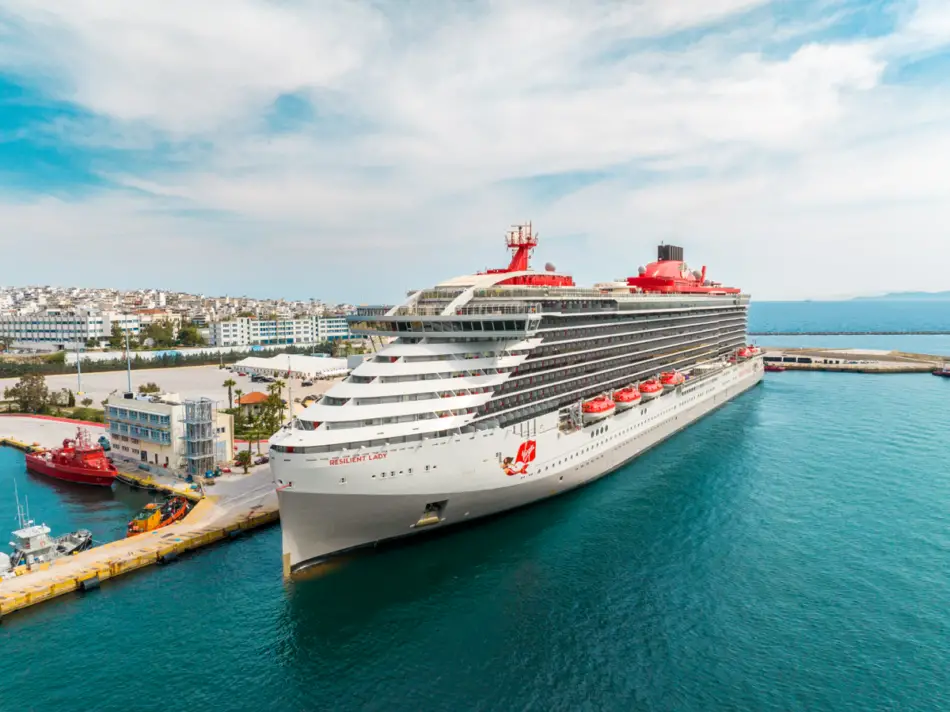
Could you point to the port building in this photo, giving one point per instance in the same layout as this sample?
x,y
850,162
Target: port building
x,y
163,433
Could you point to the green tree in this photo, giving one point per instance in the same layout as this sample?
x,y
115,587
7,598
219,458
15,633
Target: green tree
x,y
92,343
71,399
276,404
243,458
30,393
160,332
86,402
188,334
150,388
229,384
117,337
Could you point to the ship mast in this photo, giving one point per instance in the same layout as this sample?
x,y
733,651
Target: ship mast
x,y
522,240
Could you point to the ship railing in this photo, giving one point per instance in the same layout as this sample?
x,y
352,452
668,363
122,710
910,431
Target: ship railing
x,y
495,308
562,293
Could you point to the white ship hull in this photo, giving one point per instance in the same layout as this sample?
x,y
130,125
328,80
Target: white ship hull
x,y
331,503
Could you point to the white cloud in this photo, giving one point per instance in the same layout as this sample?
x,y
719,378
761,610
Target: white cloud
x,y
425,118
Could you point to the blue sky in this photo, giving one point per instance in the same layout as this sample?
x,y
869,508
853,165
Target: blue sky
x,y
352,150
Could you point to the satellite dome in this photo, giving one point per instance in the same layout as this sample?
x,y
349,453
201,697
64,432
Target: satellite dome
x,y
697,274
641,271
549,267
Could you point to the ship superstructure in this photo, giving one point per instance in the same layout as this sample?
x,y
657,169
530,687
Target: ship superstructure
x,y
498,390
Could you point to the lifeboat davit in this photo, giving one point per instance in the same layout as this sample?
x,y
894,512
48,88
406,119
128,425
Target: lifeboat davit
x,y
626,398
597,409
672,379
650,389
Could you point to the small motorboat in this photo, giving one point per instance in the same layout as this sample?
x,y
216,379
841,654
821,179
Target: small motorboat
x,y
672,379
626,398
32,544
650,389
943,372
597,409
156,515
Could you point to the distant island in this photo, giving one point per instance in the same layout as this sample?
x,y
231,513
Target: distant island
x,y
909,296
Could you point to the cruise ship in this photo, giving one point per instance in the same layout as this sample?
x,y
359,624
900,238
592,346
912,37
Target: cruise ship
x,y
497,389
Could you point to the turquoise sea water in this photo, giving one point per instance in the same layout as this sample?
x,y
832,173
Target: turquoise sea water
x,y
872,315
788,552
62,506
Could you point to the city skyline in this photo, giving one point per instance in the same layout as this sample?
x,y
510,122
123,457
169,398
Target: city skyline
x,y
359,150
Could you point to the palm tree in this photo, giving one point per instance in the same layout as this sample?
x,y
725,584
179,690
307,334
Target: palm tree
x,y
276,389
229,384
244,459
239,414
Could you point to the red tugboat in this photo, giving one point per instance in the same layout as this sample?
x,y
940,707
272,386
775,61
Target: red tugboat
x,y
78,460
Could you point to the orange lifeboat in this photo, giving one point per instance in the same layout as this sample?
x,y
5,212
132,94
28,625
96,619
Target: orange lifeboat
x,y
597,409
672,379
626,398
650,389
744,353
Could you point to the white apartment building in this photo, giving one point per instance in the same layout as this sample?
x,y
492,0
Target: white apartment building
x,y
332,328
63,328
246,331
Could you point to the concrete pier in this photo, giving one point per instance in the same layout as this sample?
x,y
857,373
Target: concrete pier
x,y
239,503
851,360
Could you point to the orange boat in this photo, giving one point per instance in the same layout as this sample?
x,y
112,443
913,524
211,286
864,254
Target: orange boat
x,y
156,516
672,379
626,398
650,389
597,409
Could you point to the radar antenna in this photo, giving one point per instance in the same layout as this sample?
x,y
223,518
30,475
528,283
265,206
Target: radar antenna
x,y
522,239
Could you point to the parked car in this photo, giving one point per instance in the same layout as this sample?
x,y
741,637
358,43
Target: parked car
x,y
307,384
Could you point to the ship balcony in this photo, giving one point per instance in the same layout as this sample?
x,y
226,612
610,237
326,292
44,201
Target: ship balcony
x,y
462,325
